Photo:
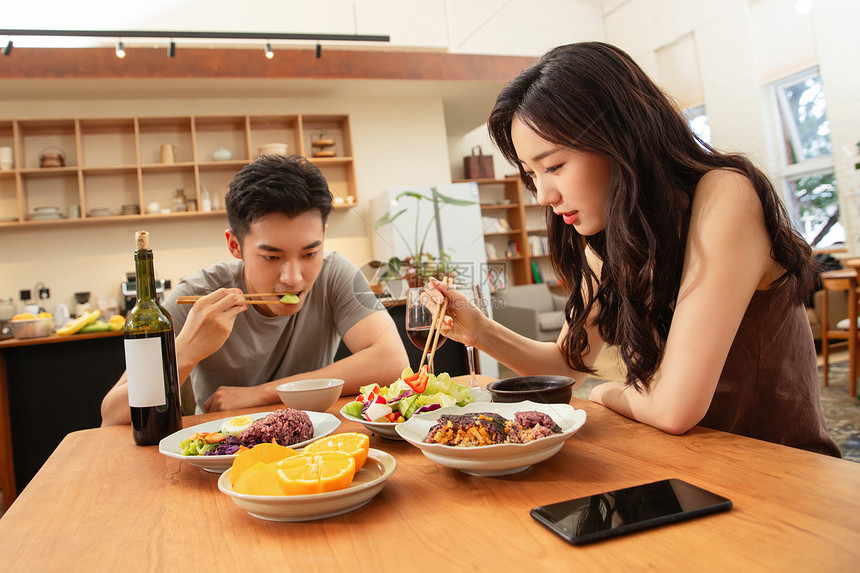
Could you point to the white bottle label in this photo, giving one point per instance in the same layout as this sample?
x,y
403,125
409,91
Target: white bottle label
x,y
145,372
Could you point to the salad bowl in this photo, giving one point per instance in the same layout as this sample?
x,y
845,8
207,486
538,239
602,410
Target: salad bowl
x,y
389,429
324,424
496,459
383,429
368,482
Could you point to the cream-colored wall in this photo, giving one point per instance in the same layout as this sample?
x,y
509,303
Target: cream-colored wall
x,y
396,142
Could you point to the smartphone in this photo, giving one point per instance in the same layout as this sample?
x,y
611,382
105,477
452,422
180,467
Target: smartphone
x,y
614,513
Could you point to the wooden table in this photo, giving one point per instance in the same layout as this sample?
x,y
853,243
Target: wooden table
x,y
102,503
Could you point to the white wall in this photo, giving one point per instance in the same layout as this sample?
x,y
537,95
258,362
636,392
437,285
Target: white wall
x,y
396,142
744,45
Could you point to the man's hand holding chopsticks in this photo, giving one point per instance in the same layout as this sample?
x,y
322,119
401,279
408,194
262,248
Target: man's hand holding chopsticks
x,y
209,323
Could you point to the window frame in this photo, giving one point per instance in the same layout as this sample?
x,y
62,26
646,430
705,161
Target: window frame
x,y
822,164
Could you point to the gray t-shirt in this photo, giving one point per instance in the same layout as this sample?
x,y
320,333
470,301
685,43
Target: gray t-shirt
x,y
261,348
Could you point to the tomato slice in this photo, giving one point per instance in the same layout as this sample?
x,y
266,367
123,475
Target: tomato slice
x,y
419,384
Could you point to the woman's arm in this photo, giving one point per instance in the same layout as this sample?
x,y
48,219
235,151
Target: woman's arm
x,y
521,354
727,257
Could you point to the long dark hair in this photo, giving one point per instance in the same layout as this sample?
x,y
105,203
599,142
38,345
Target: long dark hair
x,y
593,97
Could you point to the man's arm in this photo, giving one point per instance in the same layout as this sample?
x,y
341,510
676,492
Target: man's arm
x,y
377,355
207,327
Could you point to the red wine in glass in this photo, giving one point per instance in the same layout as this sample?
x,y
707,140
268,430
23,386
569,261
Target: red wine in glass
x,y
418,320
418,336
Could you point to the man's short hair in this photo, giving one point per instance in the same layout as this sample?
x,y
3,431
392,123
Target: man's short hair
x,y
289,185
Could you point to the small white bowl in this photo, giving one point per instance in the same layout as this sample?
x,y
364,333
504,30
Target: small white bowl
x,y
315,394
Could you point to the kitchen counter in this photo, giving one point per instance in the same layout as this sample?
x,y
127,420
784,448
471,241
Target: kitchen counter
x,y
50,386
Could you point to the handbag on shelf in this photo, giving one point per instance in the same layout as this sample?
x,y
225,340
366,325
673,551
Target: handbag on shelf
x,y
478,166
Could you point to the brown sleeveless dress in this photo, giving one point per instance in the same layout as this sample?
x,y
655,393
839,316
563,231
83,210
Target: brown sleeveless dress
x,y
769,387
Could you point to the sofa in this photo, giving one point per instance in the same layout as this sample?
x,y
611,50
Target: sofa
x,y
531,310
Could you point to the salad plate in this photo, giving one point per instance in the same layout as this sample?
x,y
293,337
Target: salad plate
x,y
368,482
496,459
388,429
383,429
324,424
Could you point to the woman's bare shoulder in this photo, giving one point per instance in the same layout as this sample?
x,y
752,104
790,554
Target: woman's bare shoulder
x,y
727,190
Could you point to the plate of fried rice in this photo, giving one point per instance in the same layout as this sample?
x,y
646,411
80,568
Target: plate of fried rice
x,y
287,427
492,439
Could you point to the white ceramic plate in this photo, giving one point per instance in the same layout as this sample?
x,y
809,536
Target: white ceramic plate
x,y
324,424
388,429
498,459
368,482
384,429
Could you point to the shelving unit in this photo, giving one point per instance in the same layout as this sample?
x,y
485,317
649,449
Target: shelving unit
x,y
514,230
112,162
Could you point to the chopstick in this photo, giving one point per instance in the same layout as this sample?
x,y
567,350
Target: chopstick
x,y
193,299
435,325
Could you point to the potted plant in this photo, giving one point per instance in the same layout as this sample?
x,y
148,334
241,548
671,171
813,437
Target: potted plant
x,y
419,266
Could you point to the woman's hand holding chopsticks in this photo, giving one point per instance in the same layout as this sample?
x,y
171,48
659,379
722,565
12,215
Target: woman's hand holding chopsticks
x,y
462,321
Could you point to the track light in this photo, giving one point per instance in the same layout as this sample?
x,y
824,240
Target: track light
x,y
171,49
269,53
120,51
319,50
8,49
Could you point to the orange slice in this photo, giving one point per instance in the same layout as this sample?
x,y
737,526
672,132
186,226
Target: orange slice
x,y
317,473
355,444
336,470
24,316
259,479
298,476
261,453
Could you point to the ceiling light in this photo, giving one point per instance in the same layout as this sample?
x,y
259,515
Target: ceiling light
x,y
171,49
269,53
120,51
319,50
8,49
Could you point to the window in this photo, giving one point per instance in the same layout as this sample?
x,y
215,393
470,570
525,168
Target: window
x,y
807,165
697,119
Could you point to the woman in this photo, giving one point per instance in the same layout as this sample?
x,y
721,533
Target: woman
x,y
680,256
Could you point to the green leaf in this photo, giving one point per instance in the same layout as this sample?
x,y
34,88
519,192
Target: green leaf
x,y
387,218
450,200
413,194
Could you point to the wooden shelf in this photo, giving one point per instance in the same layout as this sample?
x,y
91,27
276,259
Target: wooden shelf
x,y
112,162
505,199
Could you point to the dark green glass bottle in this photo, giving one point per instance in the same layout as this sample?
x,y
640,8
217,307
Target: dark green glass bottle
x,y
150,357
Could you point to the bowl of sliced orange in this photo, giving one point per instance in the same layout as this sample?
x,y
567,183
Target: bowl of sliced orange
x,y
328,477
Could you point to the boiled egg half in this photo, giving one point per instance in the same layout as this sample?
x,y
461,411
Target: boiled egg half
x,y
237,425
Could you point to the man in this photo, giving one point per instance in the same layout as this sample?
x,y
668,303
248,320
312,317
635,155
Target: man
x,y
236,353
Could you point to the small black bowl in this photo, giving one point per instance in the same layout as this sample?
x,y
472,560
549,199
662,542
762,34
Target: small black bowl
x,y
542,389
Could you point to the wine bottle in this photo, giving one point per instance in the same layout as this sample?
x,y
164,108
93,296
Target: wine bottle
x,y
150,357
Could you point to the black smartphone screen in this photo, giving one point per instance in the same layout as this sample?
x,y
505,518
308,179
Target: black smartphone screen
x,y
614,513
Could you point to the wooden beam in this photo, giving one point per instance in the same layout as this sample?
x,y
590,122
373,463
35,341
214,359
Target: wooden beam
x,y
102,63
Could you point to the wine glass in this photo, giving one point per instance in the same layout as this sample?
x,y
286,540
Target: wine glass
x,y
418,320
475,294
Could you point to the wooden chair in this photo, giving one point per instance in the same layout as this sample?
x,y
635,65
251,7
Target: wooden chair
x,y
841,280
